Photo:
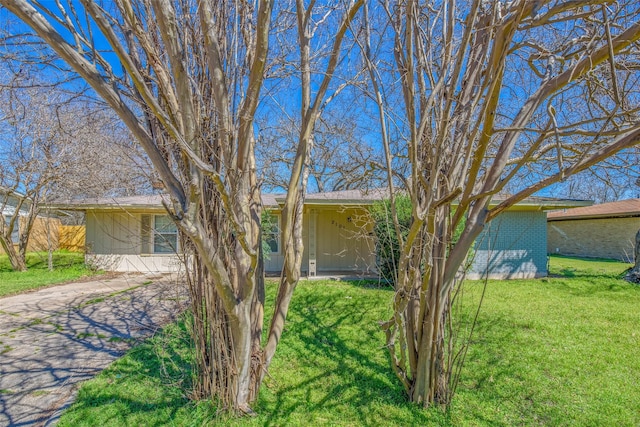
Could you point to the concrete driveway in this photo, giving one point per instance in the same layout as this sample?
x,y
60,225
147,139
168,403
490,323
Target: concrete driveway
x,y
55,338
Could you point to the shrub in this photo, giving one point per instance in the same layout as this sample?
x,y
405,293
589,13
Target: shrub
x,y
387,245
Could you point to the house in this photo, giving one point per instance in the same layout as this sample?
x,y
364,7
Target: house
x,y
135,234
605,230
44,231
8,203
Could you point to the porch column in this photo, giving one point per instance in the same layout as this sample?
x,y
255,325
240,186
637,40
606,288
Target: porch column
x,y
313,220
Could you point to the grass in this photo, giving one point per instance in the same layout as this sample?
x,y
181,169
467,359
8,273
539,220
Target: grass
x,y
68,266
555,351
586,267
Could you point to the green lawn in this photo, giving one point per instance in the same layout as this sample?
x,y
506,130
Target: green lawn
x,y
556,351
67,266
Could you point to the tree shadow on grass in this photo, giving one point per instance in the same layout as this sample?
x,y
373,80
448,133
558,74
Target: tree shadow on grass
x,y
510,371
593,268
331,367
339,341
148,386
589,285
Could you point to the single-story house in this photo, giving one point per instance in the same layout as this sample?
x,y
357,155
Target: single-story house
x,y
605,230
134,234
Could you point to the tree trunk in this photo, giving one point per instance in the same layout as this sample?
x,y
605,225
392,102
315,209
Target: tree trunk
x,y
16,258
227,351
634,274
425,359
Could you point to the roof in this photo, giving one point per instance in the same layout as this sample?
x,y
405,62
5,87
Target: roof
x,y
4,191
148,202
622,208
270,199
129,202
345,197
543,203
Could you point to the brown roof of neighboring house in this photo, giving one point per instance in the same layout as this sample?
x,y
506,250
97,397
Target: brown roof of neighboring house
x,y
622,208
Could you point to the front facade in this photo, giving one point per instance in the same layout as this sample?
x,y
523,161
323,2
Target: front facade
x,y
337,238
605,230
142,239
135,234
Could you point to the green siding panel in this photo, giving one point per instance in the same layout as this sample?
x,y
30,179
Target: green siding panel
x,y
512,245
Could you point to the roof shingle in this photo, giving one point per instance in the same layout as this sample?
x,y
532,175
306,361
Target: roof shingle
x,y
604,210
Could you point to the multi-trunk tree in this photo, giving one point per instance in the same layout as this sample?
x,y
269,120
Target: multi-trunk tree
x,y
494,96
186,79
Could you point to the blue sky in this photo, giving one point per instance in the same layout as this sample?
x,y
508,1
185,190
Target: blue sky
x,y
281,96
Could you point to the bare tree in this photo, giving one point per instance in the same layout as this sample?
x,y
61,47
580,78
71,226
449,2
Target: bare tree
x,y
185,78
339,159
101,160
493,93
28,168
56,147
614,179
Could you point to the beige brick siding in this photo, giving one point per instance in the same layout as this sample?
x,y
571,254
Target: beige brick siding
x,y
599,238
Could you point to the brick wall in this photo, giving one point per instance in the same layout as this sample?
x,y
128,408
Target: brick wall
x,y
598,238
514,245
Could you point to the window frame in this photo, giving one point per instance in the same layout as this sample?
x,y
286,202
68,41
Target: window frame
x,y
276,235
149,232
155,233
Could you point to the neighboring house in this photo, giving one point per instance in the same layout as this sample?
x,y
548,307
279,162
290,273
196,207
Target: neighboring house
x,y
8,208
606,230
135,234
44,232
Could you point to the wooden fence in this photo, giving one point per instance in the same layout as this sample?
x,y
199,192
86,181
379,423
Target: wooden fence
x,y
72,237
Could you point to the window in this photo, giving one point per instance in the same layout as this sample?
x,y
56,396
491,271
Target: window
x,y
165,235
271,232
159,234
15,233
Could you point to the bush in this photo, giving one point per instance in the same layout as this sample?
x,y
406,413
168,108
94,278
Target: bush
x,y
387,245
